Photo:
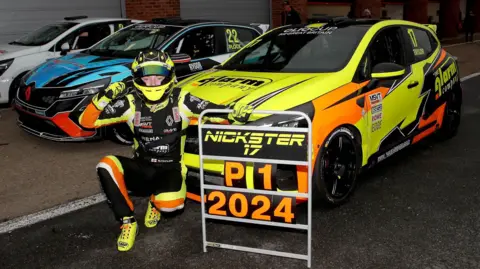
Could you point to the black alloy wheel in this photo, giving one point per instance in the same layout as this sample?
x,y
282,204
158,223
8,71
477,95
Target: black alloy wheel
x,y
338,166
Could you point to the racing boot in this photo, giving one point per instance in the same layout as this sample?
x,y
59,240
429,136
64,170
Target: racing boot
x,y
152,217
129,232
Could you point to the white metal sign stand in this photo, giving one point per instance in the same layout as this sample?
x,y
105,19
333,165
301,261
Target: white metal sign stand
x,y
305,162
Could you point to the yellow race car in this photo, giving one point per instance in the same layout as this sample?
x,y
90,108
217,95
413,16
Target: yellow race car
x,y
370,87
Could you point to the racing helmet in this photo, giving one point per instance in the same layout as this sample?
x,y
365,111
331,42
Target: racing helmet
x,y
153,75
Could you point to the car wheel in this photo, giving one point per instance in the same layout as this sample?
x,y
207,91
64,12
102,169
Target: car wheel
x,y
120,134
337,167
451,116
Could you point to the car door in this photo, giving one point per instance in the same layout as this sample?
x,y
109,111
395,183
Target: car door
x,y
389,106
423,49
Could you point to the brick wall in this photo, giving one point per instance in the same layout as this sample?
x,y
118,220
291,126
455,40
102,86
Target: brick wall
x,y
449,10
149,9
416,10
375,7
277,8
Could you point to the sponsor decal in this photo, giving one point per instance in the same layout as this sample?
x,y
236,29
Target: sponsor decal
x,y
169,120
148,26
136,120
445,79
28,93
160,149
375,98
109,110
119,103
393,150
243,83
255,144
176,114
169,131
376,111
197,66
150,138
202,105
155,160
146,131
321,30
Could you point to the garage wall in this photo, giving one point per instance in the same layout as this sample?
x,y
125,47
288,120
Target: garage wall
x,y
18,17
330,10
246,11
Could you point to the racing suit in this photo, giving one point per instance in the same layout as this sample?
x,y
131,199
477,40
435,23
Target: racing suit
x,y
157,169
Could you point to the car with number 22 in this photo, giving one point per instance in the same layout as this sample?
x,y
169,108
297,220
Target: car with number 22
x,y
371,88
52,96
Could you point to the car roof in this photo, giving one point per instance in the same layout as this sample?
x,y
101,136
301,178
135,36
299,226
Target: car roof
x,y
85,19
177,21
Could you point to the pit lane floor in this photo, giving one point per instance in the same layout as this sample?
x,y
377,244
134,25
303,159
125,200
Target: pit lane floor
x,y
419,209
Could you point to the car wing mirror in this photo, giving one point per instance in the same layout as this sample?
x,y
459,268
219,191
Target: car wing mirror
x,y
387,71
65,48
180,58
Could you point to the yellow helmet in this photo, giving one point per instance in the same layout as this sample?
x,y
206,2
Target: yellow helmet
x,y
153,75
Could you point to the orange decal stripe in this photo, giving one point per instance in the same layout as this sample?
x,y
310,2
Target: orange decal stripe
x,y
436,116
443,54
66,124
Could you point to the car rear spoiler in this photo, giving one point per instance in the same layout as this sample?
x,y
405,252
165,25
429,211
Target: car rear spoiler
x,y
432,26
263,26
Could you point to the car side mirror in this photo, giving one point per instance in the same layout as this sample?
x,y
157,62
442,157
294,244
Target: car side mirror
x,y
65,48
385,71
180,58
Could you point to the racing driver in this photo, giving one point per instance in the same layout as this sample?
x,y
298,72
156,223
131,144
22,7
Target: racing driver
x,y
158,114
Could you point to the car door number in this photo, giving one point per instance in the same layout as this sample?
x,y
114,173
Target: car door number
x,y
197,66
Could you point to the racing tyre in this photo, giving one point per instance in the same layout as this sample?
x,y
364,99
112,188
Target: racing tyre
x,y
120,134
451,116
336,168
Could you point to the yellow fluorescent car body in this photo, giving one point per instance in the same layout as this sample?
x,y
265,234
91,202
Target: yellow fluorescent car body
x,y
411,93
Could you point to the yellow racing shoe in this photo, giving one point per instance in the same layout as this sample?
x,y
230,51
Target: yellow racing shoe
x,y
152,217
127,236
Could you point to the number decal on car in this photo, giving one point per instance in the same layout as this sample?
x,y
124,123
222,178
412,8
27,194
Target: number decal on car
x,y
232,39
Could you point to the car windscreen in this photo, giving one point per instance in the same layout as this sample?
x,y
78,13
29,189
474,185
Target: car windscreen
x,y
44,35
293,49
128,42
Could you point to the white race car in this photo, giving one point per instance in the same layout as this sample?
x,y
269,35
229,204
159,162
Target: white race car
x,y
73,34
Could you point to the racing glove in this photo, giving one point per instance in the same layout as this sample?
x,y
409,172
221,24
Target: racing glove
x,y
103,98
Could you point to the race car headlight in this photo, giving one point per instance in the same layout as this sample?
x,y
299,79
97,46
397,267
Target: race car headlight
x,y
4,65
87,89
294,121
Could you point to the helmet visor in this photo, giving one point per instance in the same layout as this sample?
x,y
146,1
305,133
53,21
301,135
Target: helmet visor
x,y
151,70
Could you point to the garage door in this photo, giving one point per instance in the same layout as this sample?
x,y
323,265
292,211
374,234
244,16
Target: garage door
x,y
18,17
246,11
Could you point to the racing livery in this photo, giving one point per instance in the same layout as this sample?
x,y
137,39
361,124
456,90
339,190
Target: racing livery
x,y
370,87
52,96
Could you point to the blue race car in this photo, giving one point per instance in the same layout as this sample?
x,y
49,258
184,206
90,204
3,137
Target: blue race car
x,y
52,96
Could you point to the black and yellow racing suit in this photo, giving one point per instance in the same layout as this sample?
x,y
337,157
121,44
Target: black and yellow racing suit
x,y
157,168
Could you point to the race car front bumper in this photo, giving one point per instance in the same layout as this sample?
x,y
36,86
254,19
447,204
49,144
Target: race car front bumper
x,y
54,119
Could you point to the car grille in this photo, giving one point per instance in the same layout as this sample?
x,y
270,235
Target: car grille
x,y
39,124
38,96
